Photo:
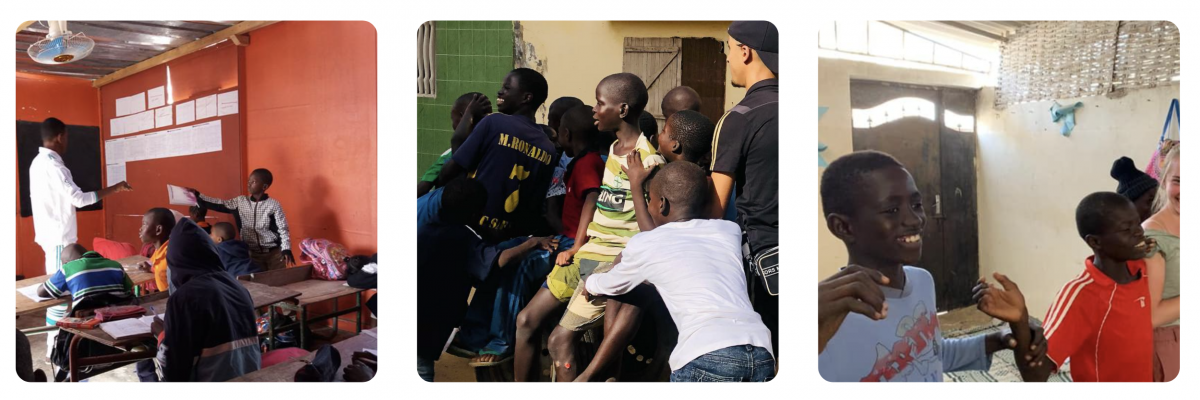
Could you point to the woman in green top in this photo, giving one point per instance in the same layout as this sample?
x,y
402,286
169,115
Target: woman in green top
x,y
1163,270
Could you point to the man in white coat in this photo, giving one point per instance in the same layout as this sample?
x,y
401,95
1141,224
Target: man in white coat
x,y
54,198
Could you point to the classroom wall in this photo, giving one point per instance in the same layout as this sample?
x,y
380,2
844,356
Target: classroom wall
x,y
472,56
311,118
834,129
576,55
1031,178
75,102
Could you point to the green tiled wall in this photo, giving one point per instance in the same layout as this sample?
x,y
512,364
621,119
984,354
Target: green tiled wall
x,y
472,56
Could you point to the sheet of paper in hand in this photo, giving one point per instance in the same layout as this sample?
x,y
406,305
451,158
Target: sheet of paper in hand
x,y
180,196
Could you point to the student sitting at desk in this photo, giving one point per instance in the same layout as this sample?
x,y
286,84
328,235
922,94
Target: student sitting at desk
x,y
156,228
209,334
92,281
235,255
88,277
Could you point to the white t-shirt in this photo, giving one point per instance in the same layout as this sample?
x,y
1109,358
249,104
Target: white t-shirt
x,y
907,346
54,197
696,266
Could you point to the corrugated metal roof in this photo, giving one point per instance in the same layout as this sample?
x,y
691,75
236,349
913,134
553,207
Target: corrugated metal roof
x,y
119,44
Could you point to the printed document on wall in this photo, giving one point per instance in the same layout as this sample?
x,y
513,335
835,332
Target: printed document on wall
x,y
162,117
185,112
227,103
131,104
156,97
115,173
206,107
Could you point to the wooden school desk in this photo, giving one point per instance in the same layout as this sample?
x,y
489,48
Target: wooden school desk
x,y
26,305
141,347
286,371
312,291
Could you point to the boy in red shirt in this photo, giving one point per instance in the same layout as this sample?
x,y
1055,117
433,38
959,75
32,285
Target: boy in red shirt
x,y
579,139
1100,321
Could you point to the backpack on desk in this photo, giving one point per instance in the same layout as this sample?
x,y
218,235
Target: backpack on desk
x,y
328,258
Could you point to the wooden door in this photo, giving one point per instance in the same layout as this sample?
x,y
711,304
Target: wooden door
x,y
704,70
657,62
910,123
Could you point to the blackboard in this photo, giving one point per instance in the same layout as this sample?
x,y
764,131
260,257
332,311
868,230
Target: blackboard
x,y
82,159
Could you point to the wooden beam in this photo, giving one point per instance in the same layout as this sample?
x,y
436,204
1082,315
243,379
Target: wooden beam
x,y
188,48
240,40
24,25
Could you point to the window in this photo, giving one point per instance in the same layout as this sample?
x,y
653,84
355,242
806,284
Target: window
x,y
893,110
886,41
426,61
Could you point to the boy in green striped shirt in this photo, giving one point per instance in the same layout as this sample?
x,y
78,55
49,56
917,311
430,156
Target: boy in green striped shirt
x,y
87,274
620,100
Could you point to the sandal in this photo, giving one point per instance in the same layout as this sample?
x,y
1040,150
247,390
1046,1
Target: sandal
x,y
483,364
455,350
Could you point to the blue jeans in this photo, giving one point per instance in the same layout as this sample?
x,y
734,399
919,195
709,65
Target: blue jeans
x,y
743,363
425,369
490,325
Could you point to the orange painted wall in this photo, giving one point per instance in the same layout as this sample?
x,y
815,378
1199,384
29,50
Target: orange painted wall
x,y
310,116
75,102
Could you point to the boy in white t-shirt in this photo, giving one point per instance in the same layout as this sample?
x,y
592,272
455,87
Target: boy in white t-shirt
x,y
878,317
696,266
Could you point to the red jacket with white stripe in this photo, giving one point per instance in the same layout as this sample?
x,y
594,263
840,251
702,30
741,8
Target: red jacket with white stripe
x,y
1103,328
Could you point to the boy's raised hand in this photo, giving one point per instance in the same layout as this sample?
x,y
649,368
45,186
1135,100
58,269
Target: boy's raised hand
x,y
634,170
853,289
1007,304
124,187
479,105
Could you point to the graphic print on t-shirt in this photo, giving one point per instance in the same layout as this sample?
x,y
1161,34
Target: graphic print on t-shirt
x,y
916,349
611,199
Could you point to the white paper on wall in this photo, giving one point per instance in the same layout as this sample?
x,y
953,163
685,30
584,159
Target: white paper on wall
x,y
156,97
162,117
116,173
206,107
185,112
227,103
131,105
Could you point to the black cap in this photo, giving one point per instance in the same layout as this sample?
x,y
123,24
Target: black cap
x,y
760,36
1131,182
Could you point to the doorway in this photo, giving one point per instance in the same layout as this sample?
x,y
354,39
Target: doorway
x,y
931,130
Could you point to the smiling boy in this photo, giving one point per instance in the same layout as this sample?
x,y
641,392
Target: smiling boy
x,y
1108,300
878,320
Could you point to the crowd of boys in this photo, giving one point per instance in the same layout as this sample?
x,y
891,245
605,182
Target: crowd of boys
x,y
583,223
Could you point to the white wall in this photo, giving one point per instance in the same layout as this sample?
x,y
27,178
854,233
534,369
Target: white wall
x,y
834,129
1031,178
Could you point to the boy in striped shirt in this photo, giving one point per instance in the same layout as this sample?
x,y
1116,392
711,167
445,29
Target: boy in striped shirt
x,y
620,100
85,275
1100,321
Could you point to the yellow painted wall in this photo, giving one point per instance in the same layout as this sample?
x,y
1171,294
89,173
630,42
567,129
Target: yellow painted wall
x,y
576,55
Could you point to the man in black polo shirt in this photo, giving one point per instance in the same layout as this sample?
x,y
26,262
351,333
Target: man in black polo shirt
x,y
746,154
